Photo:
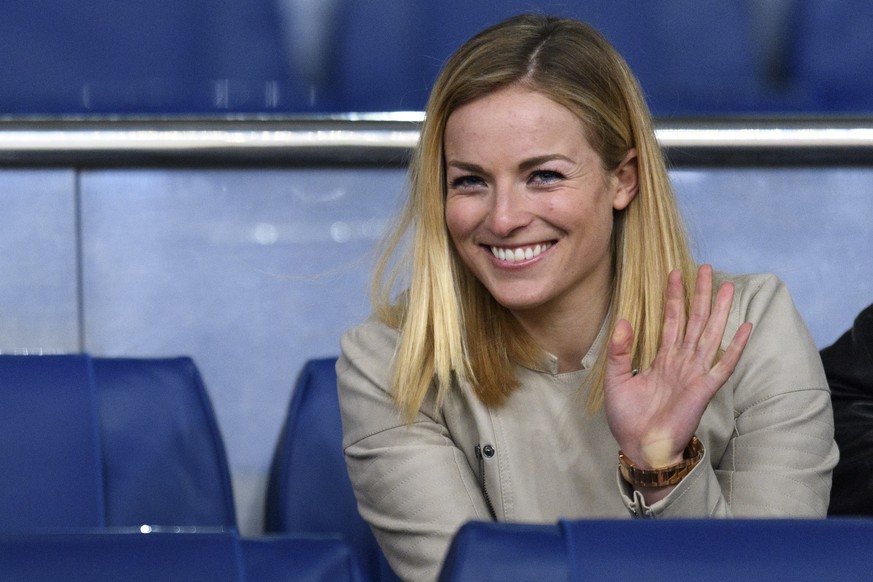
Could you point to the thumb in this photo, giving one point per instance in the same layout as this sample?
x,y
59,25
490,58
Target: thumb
x,y
618,351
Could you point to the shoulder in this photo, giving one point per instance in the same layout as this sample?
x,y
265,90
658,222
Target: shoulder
x,y
371,339
781,356
368,349
760,297
752,288
363,372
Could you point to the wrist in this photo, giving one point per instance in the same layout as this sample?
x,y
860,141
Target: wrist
x,y
665,476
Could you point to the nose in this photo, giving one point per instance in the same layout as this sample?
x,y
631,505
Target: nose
x,y
508,212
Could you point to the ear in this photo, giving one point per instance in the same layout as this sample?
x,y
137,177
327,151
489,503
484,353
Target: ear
x,y
626,181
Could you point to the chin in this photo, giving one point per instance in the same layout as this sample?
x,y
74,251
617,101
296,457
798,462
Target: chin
x,y
514,302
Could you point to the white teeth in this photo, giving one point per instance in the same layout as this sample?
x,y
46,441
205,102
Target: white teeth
x,y
520,253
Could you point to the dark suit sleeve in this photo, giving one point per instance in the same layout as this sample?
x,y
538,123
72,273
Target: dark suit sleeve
x,y
848,364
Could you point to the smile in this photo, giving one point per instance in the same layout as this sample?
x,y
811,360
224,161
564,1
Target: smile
x,y
514,255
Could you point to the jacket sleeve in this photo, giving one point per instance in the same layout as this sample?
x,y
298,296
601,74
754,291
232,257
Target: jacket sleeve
x,y
413,485
848,364
781,453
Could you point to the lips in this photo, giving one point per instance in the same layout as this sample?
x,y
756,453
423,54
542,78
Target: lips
x,y
517,254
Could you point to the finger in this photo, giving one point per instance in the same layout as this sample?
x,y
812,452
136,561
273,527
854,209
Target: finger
x,y
674,311
728,362
700,307
618,352
713,333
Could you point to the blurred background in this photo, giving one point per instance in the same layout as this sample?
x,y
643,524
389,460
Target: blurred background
x,y
693,57
253,265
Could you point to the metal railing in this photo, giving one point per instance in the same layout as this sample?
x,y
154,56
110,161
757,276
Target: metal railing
x,y
388,139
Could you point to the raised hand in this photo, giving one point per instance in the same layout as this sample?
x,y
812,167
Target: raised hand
x,y
653,414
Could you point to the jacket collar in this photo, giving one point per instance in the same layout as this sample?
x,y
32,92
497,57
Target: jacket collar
x,y
549,362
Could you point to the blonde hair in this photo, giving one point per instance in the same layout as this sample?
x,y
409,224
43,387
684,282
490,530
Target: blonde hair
x,y
451,328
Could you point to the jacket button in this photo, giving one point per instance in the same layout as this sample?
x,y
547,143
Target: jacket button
x,y
488,451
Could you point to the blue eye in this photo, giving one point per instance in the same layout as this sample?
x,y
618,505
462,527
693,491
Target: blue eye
x,y
545,177
468,181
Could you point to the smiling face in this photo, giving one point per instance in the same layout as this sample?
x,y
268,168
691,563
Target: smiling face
x,y
529,206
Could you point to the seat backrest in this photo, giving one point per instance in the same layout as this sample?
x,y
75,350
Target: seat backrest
x,y
190,555
714,549
91,442
675,549
309,488
833,44
304,558
109,556
164,458
50,468
502,551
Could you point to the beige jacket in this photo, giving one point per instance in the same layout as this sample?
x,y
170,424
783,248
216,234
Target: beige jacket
x,y
768,435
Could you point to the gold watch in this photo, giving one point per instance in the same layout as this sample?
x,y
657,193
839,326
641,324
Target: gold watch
x,y
662,476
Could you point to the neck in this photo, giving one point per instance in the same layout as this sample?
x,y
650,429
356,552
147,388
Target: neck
x,y
567,334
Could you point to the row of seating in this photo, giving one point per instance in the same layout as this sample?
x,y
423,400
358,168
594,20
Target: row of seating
x,y
93,448
189,555
114,469
195,56
582,549
699,550
571,550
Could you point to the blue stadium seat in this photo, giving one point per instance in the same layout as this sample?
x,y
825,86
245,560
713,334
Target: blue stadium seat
x,y
834,55
142,57
692,57
164,458
195,56
93,442
50,461
212,555
749,550
303,558
691,549
99,556
309,489
485,551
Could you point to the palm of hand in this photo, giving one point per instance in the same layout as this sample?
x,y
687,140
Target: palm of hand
x,y
654,414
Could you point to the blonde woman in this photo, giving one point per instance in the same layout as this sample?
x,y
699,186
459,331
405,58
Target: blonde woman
x,y
543,359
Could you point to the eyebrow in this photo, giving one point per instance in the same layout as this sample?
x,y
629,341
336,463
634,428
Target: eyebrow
x,y
467,167
525,165
534,162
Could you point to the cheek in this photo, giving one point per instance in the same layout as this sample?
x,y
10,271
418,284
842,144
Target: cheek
x,y
590,218
460,218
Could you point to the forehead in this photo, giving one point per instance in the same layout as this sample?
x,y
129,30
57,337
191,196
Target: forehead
x,y
512,106
513,119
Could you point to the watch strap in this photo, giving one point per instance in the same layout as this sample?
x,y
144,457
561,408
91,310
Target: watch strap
x,y
661,476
